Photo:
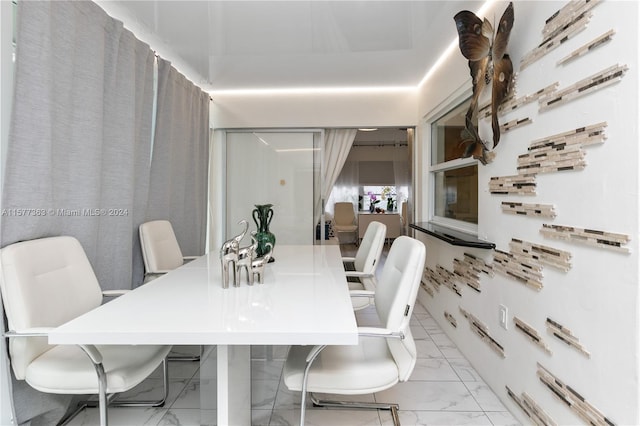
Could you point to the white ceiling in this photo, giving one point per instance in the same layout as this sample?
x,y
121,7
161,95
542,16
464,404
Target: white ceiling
x,y
231,45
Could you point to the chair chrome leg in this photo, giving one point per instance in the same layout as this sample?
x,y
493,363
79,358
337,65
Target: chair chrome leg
x,y
310,358
153,404
186,357
393,408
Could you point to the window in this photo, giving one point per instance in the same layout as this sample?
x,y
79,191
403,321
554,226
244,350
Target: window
x,y
454,180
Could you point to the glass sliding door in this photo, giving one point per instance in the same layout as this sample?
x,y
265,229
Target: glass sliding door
x,y
272,167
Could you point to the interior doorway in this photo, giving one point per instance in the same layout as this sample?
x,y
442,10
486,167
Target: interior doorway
x,y
377,175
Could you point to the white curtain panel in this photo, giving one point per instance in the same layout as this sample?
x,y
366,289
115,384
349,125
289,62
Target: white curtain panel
x,y
180,163
346,187
79,148
337,144
80,137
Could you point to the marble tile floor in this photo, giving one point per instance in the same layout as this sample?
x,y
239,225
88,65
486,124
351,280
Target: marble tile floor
x,y
444,389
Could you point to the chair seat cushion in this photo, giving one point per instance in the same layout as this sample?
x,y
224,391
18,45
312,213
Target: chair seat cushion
x,y
67,369
346,370
345,228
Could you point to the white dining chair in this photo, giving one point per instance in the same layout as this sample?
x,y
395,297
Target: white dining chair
x,y
361,269
161,253
344,220
383,356
45,283
160,249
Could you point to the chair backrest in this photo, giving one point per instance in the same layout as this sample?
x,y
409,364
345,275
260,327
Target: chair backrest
x,y
160,249
343,213
396,295
370,249
44,283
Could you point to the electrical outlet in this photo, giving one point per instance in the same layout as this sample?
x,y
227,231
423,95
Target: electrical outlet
x,y
503,316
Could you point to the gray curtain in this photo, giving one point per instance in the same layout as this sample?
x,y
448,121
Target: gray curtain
x,y
179,167
79,146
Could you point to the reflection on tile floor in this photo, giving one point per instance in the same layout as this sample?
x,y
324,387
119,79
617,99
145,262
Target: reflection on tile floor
x,y
444,389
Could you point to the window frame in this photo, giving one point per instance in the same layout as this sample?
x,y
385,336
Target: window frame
x,y
459,96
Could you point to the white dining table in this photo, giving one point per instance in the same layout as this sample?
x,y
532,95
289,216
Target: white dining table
x,y
304,300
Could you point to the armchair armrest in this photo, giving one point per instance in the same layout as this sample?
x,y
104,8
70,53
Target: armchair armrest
x,y
114,293
358,274
362,293
29,332
379,332
348,259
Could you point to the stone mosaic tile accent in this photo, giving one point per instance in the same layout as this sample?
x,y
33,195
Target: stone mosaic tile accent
x,y
532,334
546,255
482,331
427,288
597,81
468,270
576,402
592,237
521,268
526,209
513,103
566,336
514,124
449,279
519,184
451,319
563,25
588,47
531,409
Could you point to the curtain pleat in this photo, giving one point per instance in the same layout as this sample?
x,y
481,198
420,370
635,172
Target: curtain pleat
x,y
79,144
179,168
79,147
337,144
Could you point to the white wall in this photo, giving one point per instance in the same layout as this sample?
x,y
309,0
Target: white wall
x,y
320,109
598,298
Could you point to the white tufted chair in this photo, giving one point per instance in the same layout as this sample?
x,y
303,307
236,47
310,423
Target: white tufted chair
x,y
361,269
46,283
383,357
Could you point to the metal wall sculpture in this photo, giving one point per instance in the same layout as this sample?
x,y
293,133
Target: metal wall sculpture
x,y
488,63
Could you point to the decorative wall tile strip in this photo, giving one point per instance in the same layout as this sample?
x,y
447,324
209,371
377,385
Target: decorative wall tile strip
x,y
513,185
552,158
451,319
524,209
588,47
448,279
568,13
532,334
554,40
572,399
561,26
512,103
544,254
590,84
565,335
531,409
427,288
432,278
513,124
591,237
520,268
483,332
468,270
582,136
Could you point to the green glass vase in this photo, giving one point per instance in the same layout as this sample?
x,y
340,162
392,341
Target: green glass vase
x,y
262,215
